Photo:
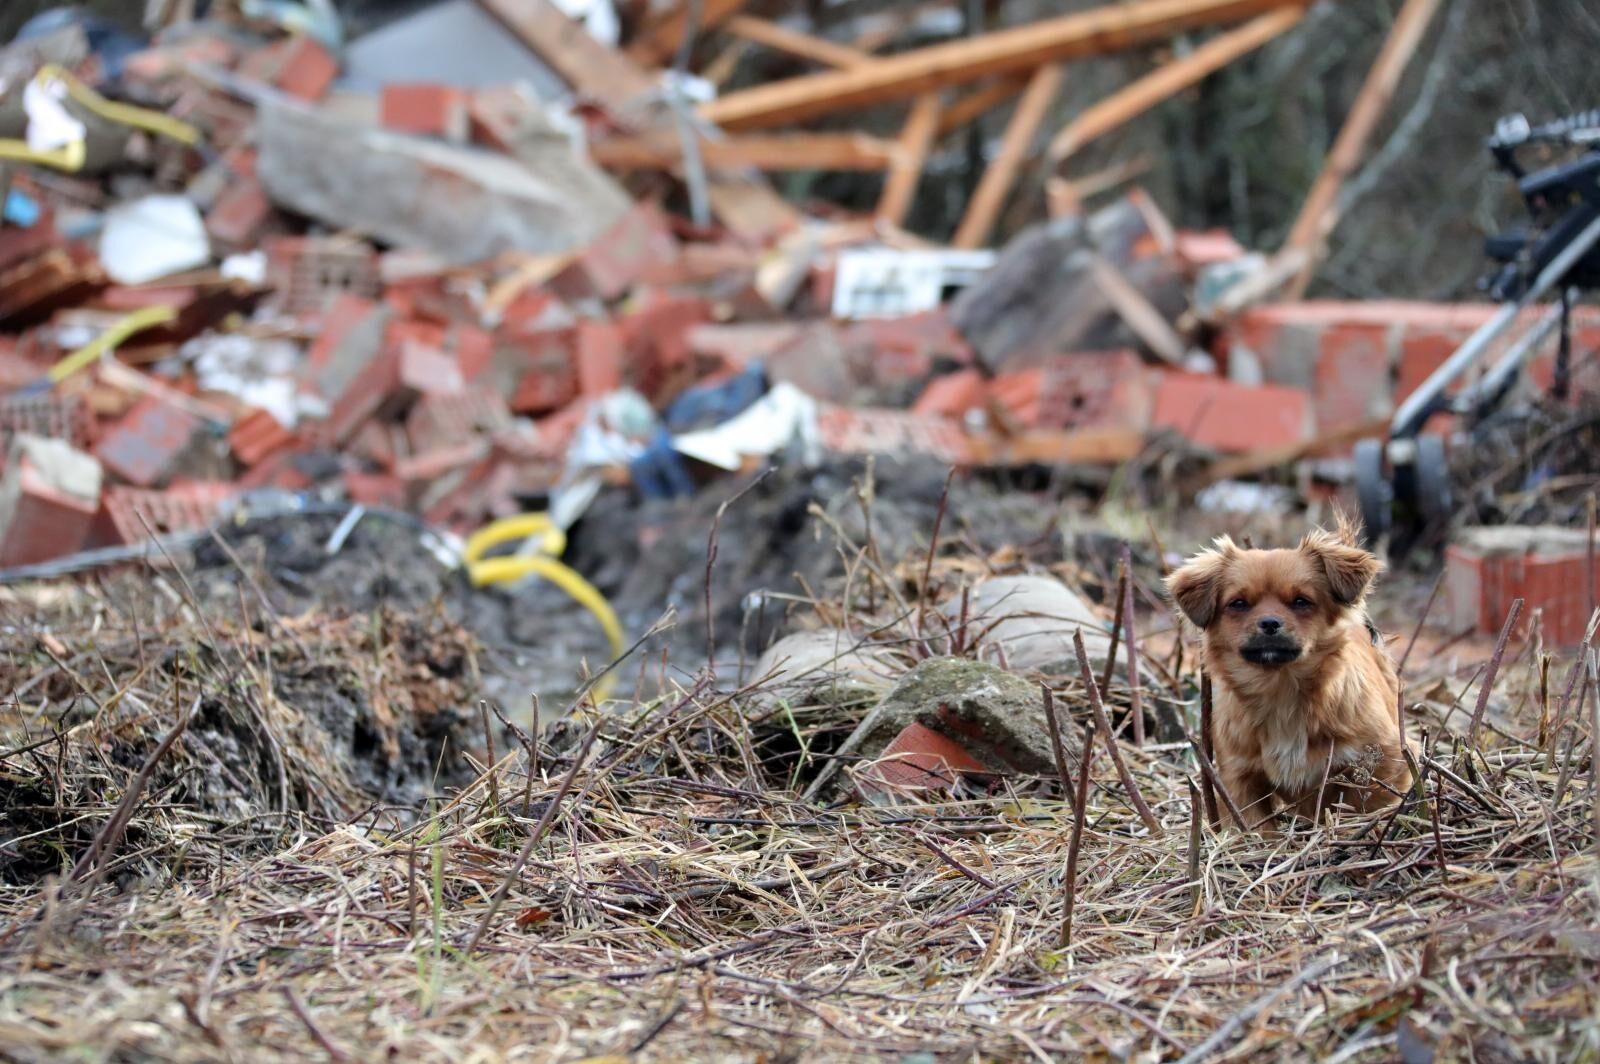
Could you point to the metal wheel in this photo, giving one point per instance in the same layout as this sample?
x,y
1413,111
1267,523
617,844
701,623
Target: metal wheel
x,y
1373,489
1431,480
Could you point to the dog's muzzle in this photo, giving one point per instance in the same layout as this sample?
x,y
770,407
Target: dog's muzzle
x,y
1270,651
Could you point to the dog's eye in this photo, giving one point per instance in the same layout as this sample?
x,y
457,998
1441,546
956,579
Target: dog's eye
x,y
1238,604
1302,603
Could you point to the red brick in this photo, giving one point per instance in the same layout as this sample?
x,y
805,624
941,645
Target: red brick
x,y
145,444
599,359
656,332
442,421
49,495
50,415
1229,417
428,109
549,376
638,244
952,395
354,368
919,758
311,273
376,489
1091,389
891,432
304,68
429,370
557,430
1350,383
240,215
137,513
257,435
1487,569
909,347
473,348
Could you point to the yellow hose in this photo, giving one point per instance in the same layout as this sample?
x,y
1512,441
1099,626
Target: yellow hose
x,y
510,568
71,157
123,114
109,341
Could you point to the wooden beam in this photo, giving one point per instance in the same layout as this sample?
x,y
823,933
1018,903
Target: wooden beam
x,y
782,151
1098,31
592,69
917,137
990,195
658,42
1172,78
977,103
793,42
1320,213
1138,313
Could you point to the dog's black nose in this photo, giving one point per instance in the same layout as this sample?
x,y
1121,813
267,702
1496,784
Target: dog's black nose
x,y
1269,625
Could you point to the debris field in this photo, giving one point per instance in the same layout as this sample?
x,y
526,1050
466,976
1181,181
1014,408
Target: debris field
x,y
561,530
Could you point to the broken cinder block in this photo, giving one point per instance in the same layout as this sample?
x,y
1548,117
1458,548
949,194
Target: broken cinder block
x,y
49,495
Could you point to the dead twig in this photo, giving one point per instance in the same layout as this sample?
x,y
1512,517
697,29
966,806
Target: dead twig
x,y
1104,724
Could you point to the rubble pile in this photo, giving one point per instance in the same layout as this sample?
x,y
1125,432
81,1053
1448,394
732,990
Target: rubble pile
x,y
466,266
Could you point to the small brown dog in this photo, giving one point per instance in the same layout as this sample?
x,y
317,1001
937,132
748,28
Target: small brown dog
x,y
1305,694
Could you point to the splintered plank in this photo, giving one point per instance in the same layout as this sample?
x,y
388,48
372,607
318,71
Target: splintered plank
x,y
590,67
777,152
979,102
1320,212
1001,174
1098,31
793,42
1133,100
916,139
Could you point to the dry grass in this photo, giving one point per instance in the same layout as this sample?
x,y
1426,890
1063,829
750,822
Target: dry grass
x,y
682,902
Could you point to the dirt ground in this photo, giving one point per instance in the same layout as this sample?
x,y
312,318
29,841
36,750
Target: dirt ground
x,y
318,861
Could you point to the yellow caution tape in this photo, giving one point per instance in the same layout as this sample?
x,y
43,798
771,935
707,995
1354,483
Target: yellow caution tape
x,y
509,568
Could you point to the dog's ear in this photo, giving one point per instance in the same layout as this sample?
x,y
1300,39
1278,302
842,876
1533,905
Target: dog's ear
x,y
1196,588
1349,569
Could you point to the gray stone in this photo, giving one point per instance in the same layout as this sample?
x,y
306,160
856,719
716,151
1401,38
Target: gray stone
x,y
462,205
999,718
825,667
1032,618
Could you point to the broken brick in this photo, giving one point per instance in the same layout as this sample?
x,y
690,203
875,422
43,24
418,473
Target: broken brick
x,y
599,358
639,243
952,394
424,108
1091,389
144,446
48,414
428,370
240,215
256,435
1232,418
353,368
49,495
135,514
891,432
311,273
1486,569
919,758
440,421
299,66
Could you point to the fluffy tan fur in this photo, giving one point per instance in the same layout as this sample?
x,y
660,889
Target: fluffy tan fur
x,y
1306,696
